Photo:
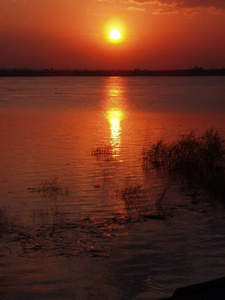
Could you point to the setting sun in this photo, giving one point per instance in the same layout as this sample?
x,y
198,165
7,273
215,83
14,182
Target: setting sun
x,y
115,34
114,31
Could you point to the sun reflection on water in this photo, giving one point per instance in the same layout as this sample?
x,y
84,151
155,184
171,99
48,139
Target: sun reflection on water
x,y
115,110
115,117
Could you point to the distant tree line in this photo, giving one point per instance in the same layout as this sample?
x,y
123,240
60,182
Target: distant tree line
x,y
196,71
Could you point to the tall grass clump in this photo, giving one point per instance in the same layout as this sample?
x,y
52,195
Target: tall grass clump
x,y
136,199
106,151
4,220
197,163
49,216
50,188
189,153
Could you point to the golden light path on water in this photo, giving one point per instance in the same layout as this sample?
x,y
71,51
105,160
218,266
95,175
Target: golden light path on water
x,y
115,117
115,111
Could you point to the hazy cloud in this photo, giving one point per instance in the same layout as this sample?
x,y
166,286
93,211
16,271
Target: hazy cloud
x,y
144,2
15,1
191,12
131,8
168,12
151,2
109,1
218,4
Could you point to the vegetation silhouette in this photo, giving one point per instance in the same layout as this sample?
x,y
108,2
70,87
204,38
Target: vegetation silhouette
x,y
197,163
50,188
27,72
4,220
139,202
136,199
106,151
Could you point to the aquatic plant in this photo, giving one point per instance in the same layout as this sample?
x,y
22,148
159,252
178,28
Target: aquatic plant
x,y
4,221
140,203
196,163
136,198
188,154
53,215
50,188
40,215
106,151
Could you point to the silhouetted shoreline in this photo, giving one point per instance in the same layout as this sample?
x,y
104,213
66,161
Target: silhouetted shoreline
x,y
196,71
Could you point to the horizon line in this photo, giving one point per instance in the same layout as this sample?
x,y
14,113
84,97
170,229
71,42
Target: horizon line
x,y
30,72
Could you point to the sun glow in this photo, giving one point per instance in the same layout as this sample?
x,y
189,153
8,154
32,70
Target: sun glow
x,y
115,31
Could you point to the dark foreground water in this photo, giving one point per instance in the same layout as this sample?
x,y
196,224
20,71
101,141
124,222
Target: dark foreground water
x,y
79,239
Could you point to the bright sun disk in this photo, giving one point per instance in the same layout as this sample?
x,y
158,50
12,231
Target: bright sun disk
x,y
115,34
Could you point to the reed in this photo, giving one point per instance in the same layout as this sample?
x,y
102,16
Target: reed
x,y
197,163
189,153
49,216
103,151
4,221
52,187
136,198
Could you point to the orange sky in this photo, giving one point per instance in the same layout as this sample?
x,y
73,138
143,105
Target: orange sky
x,y
157,34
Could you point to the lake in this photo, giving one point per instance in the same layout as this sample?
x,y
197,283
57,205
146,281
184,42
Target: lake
x,y
70,234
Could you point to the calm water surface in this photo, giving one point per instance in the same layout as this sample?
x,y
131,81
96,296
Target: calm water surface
x,y
49,128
